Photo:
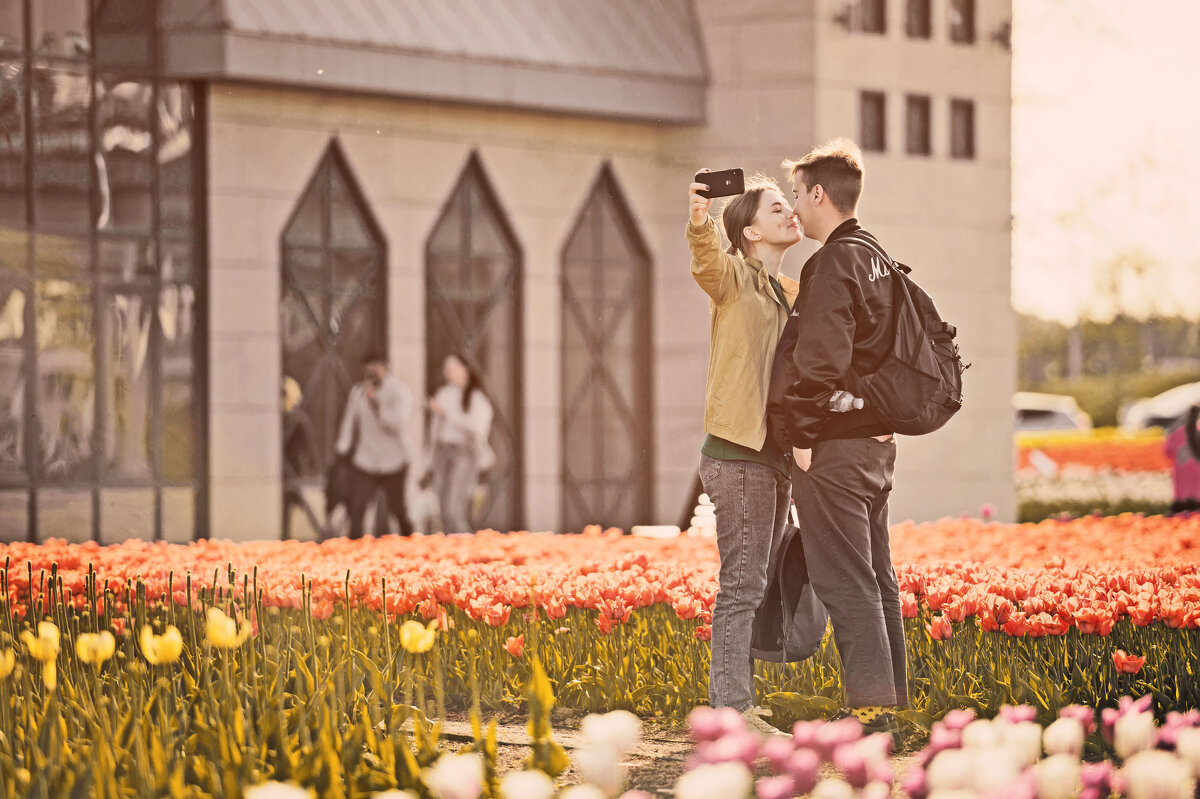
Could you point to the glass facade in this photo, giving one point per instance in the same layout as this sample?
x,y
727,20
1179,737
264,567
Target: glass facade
x,y
99,300
607,458
473,272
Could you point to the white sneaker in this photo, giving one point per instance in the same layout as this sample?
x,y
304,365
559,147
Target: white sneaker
x,y
756,722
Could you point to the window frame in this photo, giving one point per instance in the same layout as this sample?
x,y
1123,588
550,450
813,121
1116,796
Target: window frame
x,y
922,104
606,196
868,143
509,415
918,19
962,21
971,151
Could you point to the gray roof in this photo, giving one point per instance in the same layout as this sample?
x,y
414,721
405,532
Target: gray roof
x,y
641,59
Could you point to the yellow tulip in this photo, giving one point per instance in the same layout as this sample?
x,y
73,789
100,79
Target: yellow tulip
x,y
161,649
223,632
44,646
95,648
8,662
416,637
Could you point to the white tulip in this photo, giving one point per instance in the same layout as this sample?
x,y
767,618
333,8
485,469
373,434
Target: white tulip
x,y
832,789
1057,777
1024,740
1155,774
620,730
395,793
981,734
456,777
993,770
1064,737
950,770
1133,733
526,785
277,790
601,766
731,780
1187,747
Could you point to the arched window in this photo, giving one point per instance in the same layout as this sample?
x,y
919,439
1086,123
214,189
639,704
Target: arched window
x,y
607,455
333,268
473,308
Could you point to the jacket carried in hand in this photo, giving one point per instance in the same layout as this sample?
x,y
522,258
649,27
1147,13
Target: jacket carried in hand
x,y
840,328
790,623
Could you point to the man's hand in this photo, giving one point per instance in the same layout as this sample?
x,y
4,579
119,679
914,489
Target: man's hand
x,y
803,458
435,407
698,206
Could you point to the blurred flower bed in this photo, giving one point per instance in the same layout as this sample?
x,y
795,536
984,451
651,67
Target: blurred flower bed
x,y
194,670
1103,471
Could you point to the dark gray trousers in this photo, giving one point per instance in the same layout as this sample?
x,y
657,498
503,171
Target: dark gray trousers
x,y
842,502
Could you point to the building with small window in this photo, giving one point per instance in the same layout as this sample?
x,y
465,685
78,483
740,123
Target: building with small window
x,y
202,200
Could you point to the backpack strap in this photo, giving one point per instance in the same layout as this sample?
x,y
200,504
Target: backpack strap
x,y
869,242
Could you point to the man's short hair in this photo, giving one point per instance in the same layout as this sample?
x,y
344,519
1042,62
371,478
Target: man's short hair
x,y
838,167
375,357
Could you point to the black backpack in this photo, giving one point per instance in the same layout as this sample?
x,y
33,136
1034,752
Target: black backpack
x,y
918,385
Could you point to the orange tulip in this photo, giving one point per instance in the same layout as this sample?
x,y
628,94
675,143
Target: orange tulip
x,y
1127,664
515,645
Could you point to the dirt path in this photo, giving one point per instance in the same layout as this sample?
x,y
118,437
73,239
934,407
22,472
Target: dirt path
x,y
658,761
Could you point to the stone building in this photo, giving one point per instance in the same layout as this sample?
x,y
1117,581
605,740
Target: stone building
x,y
199,198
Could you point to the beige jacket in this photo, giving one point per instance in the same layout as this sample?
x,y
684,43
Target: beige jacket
x,y
747,320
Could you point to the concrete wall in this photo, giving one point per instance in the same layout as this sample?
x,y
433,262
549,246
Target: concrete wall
x,y
780,83
265,144
949,219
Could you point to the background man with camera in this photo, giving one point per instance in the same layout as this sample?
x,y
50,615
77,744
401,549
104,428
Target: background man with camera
x,y
374,438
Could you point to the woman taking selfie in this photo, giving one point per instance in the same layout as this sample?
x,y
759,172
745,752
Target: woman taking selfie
x,y
744,473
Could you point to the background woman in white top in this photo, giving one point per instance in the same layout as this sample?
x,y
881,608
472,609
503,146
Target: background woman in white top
x,y
462,419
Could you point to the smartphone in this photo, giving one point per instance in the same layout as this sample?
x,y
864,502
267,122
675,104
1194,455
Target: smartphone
x,y
724,183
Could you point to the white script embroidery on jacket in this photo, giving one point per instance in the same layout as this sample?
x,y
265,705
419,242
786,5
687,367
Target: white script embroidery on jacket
x,y
878,269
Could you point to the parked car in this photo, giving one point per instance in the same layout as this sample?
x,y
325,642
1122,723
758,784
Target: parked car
x,y
1034,411
1162,410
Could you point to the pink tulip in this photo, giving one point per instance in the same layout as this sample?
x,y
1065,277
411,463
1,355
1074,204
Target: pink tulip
x,y
775,788
777,749
802,768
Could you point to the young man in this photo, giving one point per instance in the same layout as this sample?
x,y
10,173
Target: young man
x,y
744,472
844,461
373,434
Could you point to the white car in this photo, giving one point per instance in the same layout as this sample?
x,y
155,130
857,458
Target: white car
x,y
1034,411
1162,410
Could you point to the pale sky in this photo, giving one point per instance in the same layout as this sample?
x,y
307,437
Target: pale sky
x,y
1106,155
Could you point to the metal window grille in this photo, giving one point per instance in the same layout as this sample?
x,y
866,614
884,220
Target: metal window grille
x,y
473,285
607,412
332,314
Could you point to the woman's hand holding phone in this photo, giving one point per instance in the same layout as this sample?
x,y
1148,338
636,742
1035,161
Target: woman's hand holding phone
x,y
698,205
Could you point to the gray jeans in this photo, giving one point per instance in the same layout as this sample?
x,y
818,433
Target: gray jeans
x,y
842,502
751,504
455,474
